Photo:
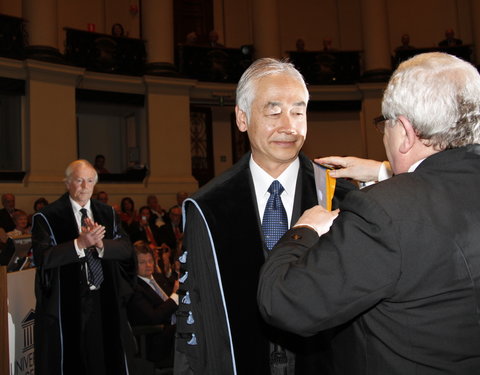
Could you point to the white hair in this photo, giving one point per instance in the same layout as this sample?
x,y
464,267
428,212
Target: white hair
x,y
259,69
440,96
74,165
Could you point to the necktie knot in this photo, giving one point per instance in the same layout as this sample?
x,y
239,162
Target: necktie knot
x,y
276,188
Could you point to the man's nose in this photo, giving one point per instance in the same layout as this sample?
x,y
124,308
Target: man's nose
x,y
287,125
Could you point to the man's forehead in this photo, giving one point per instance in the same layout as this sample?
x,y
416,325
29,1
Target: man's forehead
x,y
83,172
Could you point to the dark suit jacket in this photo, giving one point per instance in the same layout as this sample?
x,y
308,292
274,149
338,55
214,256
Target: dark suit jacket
x,y
167,235
61,289
228,276
6,221
401,262
146,307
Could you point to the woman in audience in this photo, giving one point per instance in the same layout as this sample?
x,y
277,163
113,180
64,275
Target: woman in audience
x,y
20,219
129,218
37,206
148,231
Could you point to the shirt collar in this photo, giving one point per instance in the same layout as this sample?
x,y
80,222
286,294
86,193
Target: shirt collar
x,y
77,207
147,280
263,180
415,165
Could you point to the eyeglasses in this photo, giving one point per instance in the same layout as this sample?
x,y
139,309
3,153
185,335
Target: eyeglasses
x,y
379,123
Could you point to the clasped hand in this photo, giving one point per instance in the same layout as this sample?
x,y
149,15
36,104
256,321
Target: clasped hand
x,y
319,218
91,235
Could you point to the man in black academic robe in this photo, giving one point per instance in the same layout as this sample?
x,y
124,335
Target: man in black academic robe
x,y
80,328
219,328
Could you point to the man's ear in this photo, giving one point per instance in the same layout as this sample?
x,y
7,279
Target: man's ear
x,y
409,137
241,118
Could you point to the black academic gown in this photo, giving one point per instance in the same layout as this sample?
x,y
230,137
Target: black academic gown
x,y
219,329
62,292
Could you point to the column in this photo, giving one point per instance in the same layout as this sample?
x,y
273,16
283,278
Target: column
x,y
157,31
375,40
41,25
266,30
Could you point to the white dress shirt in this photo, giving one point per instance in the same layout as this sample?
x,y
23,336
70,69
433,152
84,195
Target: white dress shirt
x,y
262,181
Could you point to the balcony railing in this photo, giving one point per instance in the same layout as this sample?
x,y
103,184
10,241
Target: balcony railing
x,y
105,53
327,67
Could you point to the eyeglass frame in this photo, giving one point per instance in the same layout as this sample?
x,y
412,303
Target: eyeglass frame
x,y
379,122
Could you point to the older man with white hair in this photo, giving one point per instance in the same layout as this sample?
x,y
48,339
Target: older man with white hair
x,y
85,263
400,266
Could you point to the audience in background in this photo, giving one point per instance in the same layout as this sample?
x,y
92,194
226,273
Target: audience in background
x,y
450,40
405,43
102,196
171,233
37,206
147,230
117,30
181,196
191,38
20,218
300,45
328,44
6,213
99,164
166,274
213,40
150,304
158,213
129,216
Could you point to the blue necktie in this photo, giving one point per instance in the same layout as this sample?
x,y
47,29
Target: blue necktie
x,y
95,272
275,222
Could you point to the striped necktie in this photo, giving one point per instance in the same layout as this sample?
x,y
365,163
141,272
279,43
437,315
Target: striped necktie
x,y
95,272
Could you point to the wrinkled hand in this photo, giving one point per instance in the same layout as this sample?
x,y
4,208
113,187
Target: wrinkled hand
x,y
319,218
92,234
363,170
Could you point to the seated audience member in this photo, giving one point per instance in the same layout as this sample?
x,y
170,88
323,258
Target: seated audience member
x,y
102,196
328,44
450,40
129,217
171,233
147,230
405,43
117,30
6,213
20,218
99,164
37,206
167,274
191,38
181,196
213,40
158,213
151,305
300,45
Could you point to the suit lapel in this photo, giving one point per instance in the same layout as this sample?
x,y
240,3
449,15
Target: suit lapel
x,y
305,194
